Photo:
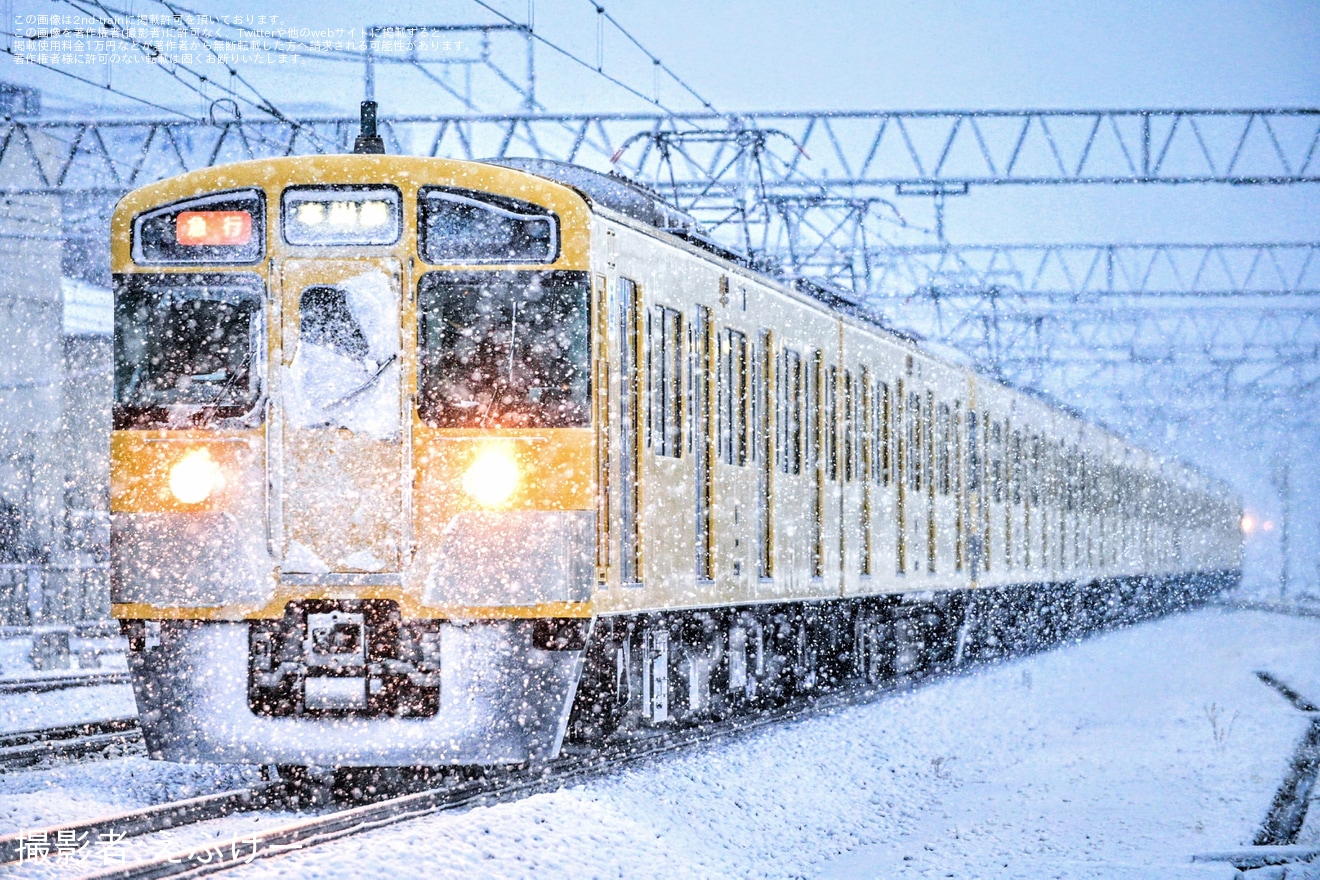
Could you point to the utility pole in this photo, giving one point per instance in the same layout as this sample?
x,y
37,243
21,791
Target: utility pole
x,y
1281,483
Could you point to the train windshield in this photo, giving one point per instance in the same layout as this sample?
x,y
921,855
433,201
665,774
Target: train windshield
x,y
464,227
187,349
504,349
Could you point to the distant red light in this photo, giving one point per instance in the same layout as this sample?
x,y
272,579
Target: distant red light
x,y
213,227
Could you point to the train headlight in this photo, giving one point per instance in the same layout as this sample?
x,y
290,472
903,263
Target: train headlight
x,y
492,477
195,476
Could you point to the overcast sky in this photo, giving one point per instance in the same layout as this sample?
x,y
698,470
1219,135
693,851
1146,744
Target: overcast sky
x,y
782,54
761,54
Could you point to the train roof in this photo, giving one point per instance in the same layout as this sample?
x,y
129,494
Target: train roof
x,y
613,191
644,205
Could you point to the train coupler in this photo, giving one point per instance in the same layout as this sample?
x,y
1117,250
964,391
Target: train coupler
x,y
343,657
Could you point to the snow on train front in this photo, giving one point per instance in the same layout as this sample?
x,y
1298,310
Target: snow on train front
x,y
351,481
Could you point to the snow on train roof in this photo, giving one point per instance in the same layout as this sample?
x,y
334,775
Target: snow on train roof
x,y
612,191
644,205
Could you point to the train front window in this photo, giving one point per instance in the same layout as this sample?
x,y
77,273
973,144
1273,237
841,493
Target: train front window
x,y
462,227
504,349
187,349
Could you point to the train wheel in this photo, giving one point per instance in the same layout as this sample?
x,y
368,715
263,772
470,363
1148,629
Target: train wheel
x,y
868,648
806,667
308,786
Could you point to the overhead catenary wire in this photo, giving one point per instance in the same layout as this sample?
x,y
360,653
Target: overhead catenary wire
x,y
107,19
579,60
262,103
150,49
104,87
350,55
266,104
199,83
603,14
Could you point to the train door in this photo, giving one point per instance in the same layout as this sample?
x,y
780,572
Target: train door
x,y
816,462
900,463
918,478
630,545
851,487
866,465
886,512
604,421
975,497
735,480
703,441
340,459
929,440
765,399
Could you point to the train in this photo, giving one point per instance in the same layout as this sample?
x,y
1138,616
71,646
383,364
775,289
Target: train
x,y
427,462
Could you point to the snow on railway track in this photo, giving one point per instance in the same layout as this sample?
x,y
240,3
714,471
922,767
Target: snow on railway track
x,y
61,682
489,787
1121,719
1275,848
96,738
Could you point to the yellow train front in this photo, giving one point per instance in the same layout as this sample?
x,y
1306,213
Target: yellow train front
x,y
352,491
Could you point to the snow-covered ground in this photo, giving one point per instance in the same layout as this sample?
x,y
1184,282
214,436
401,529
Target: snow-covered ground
x,y
1120,757
87,654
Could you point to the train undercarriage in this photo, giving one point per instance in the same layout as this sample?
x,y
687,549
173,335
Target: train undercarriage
x,y
350,683
685,667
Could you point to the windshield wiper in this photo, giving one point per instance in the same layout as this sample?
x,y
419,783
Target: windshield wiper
x,y
339,401
224,389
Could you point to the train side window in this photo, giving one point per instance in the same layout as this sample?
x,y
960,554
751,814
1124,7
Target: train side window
x,y
1006,451
944,449
816,426
766,432
866,450
1037,453
1057,482
996,462
703,419
754,374
849,427
664,355
831,423
692,373
733,397
792,384
915,442
866,427
1017,469
815,402
1074,477
929,436
886,434
973,453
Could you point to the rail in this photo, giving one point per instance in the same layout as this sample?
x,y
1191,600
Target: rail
x,y
26,747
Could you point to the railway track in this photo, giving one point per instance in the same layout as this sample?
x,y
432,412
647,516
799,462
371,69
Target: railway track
x,y
26,747
1275,846
459,793
1292,610
61,682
